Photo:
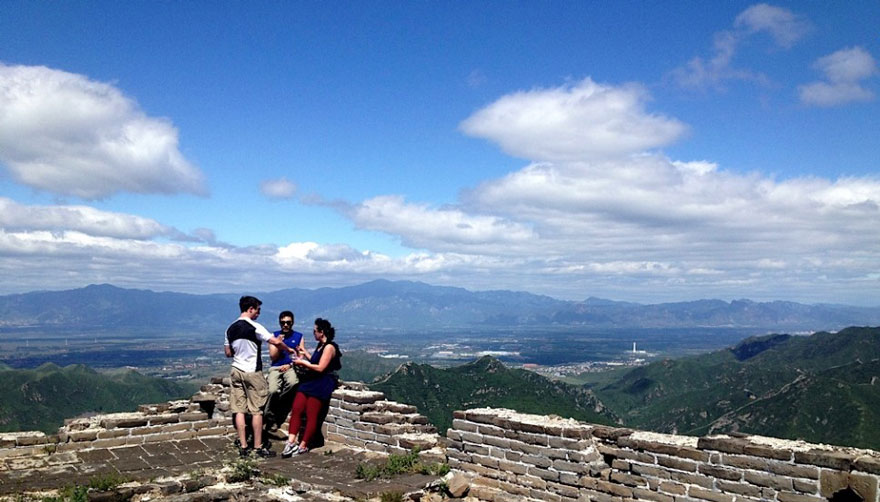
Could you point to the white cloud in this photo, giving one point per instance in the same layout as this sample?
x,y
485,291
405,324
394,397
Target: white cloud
x,y
421,226
278,189
785,27
573,122
15,216
63,133
844,72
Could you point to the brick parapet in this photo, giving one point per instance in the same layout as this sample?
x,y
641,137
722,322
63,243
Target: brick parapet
x,y
514,456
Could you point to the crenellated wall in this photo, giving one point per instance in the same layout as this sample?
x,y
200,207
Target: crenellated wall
x,y
513,456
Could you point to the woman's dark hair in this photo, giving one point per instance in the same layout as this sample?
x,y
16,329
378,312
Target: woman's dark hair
x,y
326,328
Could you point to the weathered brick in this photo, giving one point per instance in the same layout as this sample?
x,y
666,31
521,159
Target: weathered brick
x,y
562,465
793,470
109,443
562,443
722,444
668,449
620,465
869,464
167,419
769,480
478,449
648,470
537,460
739,488
673,488
628,479
804,486
532,481
644,494
767,452
691,478
712,495
638,456
545,474
610,433
720,472
794,497
496,441
744,462
613,488
485,461
86,435
677,463
831,459
563,490
514,467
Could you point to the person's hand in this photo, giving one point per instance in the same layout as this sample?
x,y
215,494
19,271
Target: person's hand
x,y
283,368
301,362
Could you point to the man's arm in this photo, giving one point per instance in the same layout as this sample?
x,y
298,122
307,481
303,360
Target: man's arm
x,y
228,350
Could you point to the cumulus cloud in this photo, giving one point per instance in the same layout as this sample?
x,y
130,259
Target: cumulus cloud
x,y
278,189
15,216
69,135
785,28
843,72
573,122
421,226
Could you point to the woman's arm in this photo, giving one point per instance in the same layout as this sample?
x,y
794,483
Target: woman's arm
x,y
326,357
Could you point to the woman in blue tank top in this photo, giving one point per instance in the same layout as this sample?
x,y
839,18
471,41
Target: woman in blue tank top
x,y
315,388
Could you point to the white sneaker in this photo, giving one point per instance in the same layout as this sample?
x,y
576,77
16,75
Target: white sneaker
x,y
290,449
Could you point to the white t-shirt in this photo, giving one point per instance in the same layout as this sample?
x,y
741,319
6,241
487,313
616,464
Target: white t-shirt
x,y
246,336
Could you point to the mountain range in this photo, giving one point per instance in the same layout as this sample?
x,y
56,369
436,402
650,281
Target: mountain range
x,y
406,305
822,388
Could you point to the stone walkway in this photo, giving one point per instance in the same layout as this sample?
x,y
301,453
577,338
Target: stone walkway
x,y
196,470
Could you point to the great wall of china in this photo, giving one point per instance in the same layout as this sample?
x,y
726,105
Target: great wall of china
x,y
177,450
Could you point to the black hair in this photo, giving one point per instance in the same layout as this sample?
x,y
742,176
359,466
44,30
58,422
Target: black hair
x,y
326,328
246,302
286,313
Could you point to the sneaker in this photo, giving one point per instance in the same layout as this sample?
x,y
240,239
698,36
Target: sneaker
x,y
244,452
290,450
265,453
301,450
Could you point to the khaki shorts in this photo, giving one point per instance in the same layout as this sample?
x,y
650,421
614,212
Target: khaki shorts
x,y
248,393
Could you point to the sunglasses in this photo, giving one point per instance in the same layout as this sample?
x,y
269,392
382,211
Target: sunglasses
x,y
286,322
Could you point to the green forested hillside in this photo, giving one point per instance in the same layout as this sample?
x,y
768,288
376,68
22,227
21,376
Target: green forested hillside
x,y
820,388
486,382
41,398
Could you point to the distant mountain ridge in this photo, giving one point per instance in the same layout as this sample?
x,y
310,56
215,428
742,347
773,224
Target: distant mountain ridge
x,y
396,305
822,388
41,398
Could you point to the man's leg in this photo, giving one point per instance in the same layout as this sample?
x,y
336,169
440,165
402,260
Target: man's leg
x,y
270,418
240,426
257,422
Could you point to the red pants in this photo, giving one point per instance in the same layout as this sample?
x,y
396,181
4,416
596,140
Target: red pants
x,y
312,406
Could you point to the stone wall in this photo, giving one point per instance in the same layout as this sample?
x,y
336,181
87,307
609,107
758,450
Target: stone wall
x,y
514,456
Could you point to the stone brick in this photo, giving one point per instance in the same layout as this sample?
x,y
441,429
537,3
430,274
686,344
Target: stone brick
x,y
831,459
744,462
714,496
720,472
677,463
496,441
478,449
804,486
482,416
673,488
109,443
870,464
562,489
514,467
628,479
562,443
537,460
112,433
610,433
620,465
464,425
490,430
577,431
769,480
627,454
472,437
614,488
668,449
545,474
767,452
453,435
86,435
648,470
124,422
691,478
167,419
533,439
531,481
794,497
569,478
722,444
644,494
562,465
797,471
739,488
485,461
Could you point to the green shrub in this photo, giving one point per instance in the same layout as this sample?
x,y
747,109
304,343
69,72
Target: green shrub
x,y
400,464
391,497
243,469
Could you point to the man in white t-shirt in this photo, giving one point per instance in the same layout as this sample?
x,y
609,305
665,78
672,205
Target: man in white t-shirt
x,y
249,390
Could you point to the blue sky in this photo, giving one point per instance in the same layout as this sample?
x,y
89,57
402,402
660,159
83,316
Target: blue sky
x,y
642,151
